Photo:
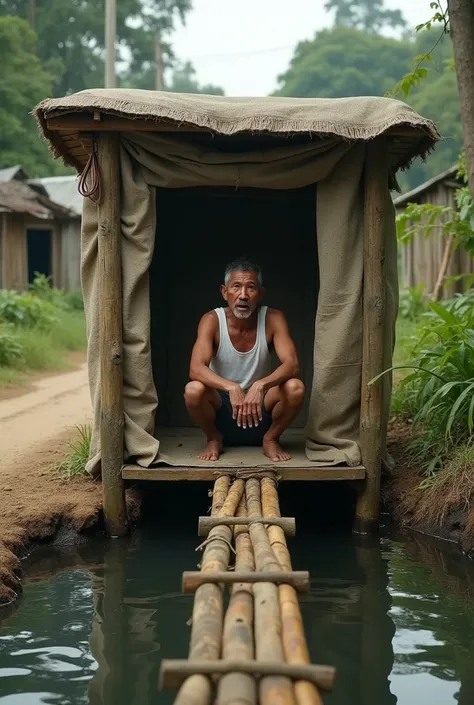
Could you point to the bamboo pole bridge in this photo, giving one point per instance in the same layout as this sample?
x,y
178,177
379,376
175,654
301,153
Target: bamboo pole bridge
x,y
254,652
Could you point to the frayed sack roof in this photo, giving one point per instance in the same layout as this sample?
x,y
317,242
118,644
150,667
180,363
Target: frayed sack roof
x,y
354,119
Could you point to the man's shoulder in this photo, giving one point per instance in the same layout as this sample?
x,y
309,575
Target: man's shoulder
x,y
209,319
274,314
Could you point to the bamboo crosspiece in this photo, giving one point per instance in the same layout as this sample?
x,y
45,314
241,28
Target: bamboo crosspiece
x,y
257,653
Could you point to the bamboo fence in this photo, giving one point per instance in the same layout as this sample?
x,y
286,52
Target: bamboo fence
x,y
254,652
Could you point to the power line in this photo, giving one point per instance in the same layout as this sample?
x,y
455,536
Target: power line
x,y
253,52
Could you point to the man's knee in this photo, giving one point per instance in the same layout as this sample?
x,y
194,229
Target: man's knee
x,y
194,393
294,391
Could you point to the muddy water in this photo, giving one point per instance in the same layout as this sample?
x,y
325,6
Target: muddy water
x,y
394,615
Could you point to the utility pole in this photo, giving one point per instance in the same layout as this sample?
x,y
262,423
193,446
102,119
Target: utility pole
x,y
159,65
110,34
32,13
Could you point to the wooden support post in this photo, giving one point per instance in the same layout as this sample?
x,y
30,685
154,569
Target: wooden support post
x,y
299,579
376,184
110,337
174,671
205,524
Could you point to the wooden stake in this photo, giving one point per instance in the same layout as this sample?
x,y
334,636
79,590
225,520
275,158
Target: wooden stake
x,y
273,689
206,631
239,688
299,579
174,671
376,184
294,642
205,524
110,337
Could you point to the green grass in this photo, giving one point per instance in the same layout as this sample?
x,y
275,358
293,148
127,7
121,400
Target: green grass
x,y
45,349
74,464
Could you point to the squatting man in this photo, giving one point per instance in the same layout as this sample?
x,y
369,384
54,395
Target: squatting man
x,y
233,395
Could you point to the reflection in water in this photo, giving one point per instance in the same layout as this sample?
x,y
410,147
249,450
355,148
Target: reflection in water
x,y
394,616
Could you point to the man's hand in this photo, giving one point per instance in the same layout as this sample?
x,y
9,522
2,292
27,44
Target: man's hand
x,y
237,399
253,405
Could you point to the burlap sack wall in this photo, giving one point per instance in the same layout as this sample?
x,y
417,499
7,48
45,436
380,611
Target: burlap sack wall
x,y
149,160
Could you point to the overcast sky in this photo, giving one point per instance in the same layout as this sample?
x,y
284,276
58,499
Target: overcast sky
x,y
243,45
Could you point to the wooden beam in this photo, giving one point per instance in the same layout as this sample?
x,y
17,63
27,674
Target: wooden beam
x,y
376,184
164,473
87,122
205,524
110,337
174,671
299,579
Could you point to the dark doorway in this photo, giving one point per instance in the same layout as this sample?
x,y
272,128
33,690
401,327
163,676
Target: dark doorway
x,y
199,230
39,243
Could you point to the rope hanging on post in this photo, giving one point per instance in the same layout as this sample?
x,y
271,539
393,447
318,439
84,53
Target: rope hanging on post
x,y
91,176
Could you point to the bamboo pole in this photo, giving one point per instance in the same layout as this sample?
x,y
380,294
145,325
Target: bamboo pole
x,y
376,185
239,688
110,337
207,620
273,690
294,642
299,579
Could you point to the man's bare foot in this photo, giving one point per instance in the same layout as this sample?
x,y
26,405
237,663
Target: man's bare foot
x,y
212,452
274,451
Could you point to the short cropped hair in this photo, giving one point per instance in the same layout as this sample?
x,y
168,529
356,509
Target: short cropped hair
x,y
243,264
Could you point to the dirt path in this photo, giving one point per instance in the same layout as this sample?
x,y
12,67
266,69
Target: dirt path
x,y
57,403
36,504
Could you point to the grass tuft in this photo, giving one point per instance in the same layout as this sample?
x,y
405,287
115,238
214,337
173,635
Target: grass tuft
x,y
74,464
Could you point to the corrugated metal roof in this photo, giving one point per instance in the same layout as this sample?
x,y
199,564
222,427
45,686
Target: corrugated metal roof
x,y
12,172
410,196
62,190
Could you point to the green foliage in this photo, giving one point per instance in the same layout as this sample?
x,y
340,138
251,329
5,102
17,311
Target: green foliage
x,y
26,310
74,464
71,36
43,289
439,392
368,15
412,302
24,81
10,349
440,22
346,61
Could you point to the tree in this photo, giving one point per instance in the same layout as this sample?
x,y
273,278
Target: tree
x,y
349,62
183,80
24,81
71,34
461,20
368,15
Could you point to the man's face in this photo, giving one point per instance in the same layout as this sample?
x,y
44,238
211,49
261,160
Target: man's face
x,y
242,293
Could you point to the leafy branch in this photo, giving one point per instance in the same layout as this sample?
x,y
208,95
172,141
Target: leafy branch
x,y
419,72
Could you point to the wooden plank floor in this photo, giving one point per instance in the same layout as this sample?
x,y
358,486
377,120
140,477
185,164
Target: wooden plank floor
x,y
166,473
177,460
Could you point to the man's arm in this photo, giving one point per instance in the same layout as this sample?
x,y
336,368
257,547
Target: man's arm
x,y
252,410
202,355
286,352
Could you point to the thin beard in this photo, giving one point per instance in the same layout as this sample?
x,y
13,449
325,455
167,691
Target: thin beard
x,y
242,316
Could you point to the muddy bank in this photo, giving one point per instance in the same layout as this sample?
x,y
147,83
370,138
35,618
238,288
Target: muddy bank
x,y
444,510
38,507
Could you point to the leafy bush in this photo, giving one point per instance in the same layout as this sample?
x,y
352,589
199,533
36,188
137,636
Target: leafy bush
x,y
10,349
74,300
439,393
412,302
26,310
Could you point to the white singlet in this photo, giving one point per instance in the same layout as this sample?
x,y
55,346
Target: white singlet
x,y
243,368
